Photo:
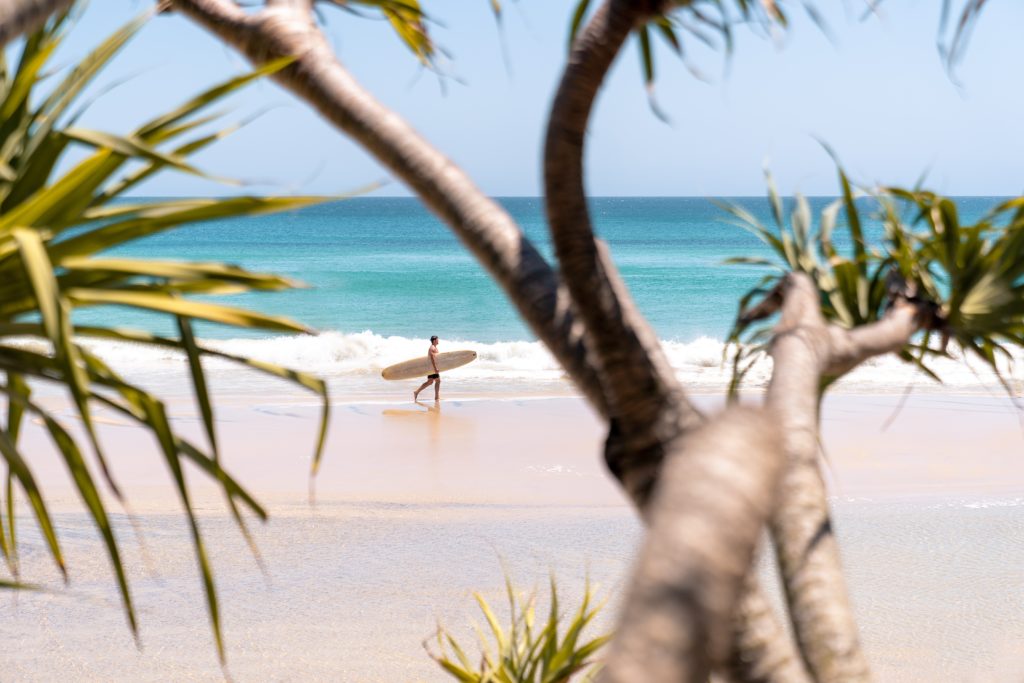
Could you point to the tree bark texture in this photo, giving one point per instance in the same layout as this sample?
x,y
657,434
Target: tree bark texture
x,y
804,349
716,490
18,17
762,651
645,402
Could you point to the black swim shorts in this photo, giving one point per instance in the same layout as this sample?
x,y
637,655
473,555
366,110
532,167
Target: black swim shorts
x,y
434,376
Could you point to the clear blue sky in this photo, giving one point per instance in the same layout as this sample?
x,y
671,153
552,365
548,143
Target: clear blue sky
x,y
878,95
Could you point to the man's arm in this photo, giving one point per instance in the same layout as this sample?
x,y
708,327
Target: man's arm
x,y
432,354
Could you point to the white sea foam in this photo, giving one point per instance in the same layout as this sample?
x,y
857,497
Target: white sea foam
x,y
360,357
995,503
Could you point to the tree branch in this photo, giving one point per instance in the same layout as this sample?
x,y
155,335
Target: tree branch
x,y
762,651
850,348
647,406
18,17
714,494
484,227
800,525
644,397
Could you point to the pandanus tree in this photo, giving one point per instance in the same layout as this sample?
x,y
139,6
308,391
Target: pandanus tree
x,y
54,230
705,486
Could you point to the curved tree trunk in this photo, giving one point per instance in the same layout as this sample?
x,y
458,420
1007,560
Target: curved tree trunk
x,y
714,494
762,650
801,526
647,407
18,17
645,402
805,349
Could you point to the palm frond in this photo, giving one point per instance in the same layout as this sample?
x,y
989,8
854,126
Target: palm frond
x,y
407,19
523,650
54,228
710,22
969,276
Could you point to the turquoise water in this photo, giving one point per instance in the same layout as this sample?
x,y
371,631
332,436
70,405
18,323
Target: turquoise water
x,y
388,266
384,275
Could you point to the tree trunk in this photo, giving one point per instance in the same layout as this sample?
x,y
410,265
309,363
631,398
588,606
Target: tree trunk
x,y
714,494
18,17
805,349
647,407
801,527
645,402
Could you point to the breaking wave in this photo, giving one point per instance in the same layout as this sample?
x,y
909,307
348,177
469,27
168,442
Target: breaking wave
x,y
698,364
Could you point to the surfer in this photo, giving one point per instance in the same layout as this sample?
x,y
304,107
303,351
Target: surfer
x,y
433,378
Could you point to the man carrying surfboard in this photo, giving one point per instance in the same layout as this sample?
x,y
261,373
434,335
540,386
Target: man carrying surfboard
x,y
433,378
431,365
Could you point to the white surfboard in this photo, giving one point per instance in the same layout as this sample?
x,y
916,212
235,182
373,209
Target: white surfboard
x,y
421,367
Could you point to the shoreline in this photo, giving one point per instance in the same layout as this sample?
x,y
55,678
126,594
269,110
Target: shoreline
x,y
417,508
544,450
351,365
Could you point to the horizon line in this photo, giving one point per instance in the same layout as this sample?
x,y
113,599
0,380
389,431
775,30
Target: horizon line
x,y
528,196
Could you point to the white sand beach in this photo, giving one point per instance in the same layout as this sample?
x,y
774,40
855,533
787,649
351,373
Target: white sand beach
x,y
419,505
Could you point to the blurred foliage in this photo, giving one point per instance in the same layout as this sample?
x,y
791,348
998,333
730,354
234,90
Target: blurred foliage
x,y
406,18
526,651
712,24
969,276
53,229
953,43
709,22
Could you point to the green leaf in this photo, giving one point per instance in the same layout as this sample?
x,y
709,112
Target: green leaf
x,y
151,219
157,418
853,222
28,73
67,196
202,397
20,469
492,621
157,129
62,96
131,147
9,549
135,408
226,315
44,266
773,199
91,497
664,26
56,321
577,19
176,270
828,222
646,56
134,178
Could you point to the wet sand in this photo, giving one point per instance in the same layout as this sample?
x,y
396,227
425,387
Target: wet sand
x,y
418,505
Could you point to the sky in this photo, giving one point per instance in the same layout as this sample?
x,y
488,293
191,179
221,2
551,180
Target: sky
x,y
877,92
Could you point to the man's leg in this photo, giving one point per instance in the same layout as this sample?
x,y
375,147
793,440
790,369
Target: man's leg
x,y
437,389
416,394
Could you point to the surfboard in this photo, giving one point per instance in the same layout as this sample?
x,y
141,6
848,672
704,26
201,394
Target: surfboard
x,y
421,367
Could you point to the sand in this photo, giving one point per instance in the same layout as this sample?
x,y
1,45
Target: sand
x,y
419,505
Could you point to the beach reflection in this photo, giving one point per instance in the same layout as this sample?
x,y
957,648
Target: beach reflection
x,y
431,412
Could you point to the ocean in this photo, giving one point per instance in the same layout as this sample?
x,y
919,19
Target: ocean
x,y
383,275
